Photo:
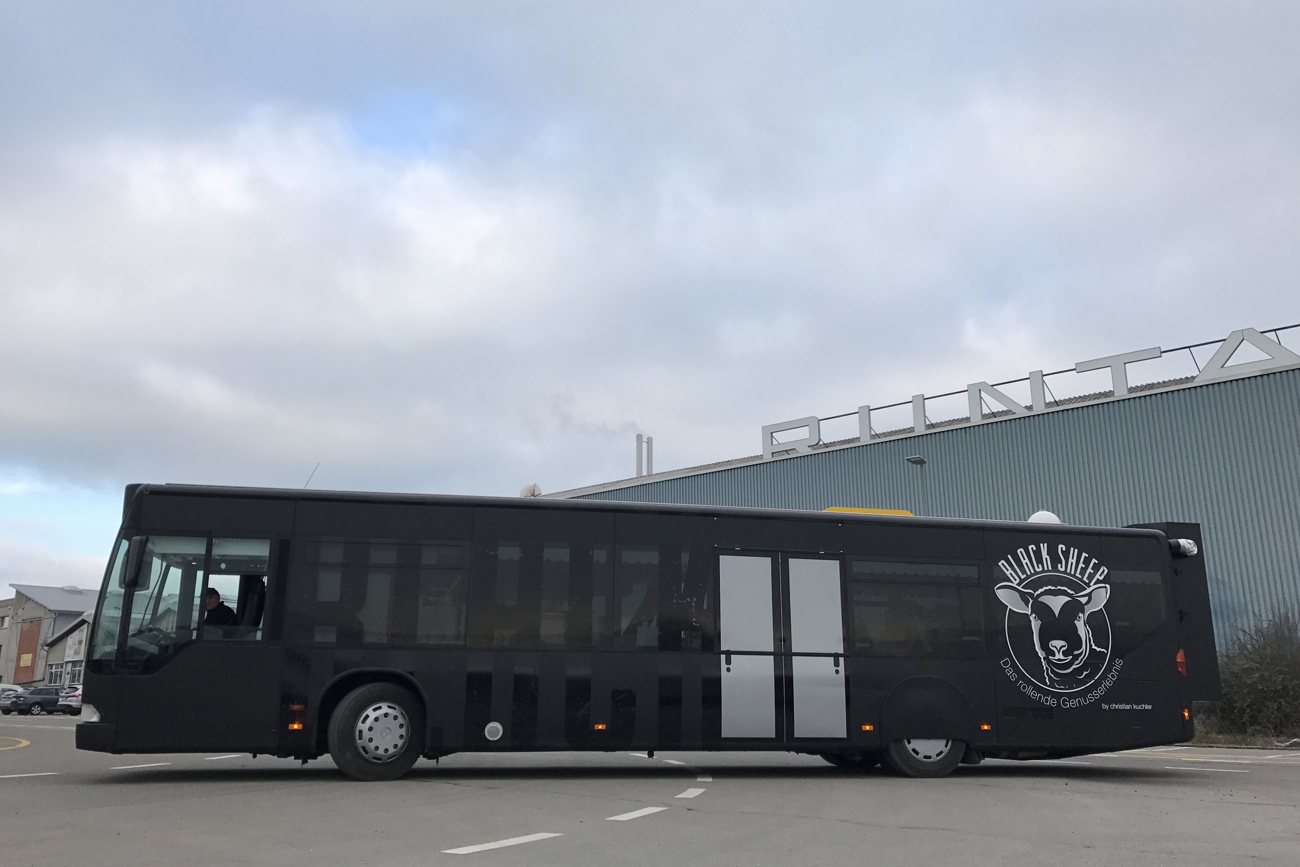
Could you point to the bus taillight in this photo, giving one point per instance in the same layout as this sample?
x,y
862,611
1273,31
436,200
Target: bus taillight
x,y
1181,659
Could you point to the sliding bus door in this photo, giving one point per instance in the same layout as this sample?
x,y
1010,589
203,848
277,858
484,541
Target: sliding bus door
x,y
782,647
748,608
816,647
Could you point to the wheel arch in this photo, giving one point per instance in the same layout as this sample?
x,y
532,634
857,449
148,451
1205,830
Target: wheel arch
x,y
335,691
927,707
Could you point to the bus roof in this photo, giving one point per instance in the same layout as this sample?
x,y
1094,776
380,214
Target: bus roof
x,y
839,517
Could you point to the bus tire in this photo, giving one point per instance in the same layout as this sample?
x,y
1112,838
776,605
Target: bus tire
x,y
852,761
377,732
924,757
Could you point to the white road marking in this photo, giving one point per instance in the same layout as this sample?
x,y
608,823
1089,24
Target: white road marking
x,y
500,844
31,726
214,758
131,767
635,814
1054,762
1210,770
691,793
43,774
1221,761
704,778
639,755
673,761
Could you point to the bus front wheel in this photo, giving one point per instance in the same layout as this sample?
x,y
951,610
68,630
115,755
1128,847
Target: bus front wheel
x,y
377,732
924,757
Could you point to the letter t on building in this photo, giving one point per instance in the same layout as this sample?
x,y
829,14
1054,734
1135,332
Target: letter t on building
x,y
1118,366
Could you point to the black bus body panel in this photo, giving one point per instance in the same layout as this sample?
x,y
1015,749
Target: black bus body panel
x,y
1195,626
650,678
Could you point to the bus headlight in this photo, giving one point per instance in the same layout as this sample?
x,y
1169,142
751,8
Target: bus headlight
x,y
88,713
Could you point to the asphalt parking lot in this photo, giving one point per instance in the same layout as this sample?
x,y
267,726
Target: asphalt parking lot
x,y
1182,806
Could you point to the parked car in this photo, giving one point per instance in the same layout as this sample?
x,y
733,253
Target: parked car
x,y
37,700
6,692
70,700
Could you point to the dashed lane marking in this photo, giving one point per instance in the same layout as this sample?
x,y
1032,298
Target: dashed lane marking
x,y
691,793
214,758
133,767
501,844
38,726
43,774
1210,770
21,742
673,762
704,778
635,814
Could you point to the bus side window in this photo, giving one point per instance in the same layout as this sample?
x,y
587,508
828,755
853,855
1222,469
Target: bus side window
x,y
237,570
636,590
903,610
1136,607
443,593
384,591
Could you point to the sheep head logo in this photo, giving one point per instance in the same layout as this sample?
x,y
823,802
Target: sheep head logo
x,y
1056,624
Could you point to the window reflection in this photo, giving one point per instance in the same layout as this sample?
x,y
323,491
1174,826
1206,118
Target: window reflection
x,y
164,603
388,592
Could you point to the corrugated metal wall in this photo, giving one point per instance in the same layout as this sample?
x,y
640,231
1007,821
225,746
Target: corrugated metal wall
x,y
1225,455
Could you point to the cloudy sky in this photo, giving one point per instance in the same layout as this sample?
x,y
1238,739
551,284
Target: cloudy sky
x,y
461,248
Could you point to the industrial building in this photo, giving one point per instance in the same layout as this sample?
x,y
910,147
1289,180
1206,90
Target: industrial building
x,y
1219,447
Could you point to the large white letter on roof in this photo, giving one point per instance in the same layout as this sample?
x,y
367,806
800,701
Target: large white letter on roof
x,y
800,446
973,392
1118,365
1278,356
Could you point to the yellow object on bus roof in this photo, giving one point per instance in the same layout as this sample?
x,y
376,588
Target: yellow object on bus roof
x,y
854,511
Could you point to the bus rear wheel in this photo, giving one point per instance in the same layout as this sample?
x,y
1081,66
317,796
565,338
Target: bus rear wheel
x,y
377,732
924,757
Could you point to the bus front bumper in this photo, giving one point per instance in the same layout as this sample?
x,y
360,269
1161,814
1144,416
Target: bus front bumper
x,y
97,737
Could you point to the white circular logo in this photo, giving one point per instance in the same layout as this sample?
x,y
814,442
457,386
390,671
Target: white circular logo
x,y
1057,629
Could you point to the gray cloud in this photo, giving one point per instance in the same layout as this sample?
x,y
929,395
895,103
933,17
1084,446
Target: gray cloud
x,y
463,249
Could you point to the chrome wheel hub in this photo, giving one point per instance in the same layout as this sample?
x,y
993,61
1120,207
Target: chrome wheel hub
x,y
927,749
383,731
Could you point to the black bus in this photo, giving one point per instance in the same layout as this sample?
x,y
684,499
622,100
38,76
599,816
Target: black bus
x,y
381,628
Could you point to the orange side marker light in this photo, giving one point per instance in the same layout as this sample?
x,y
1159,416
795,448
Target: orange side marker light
x,y
600,727
295,726
1181,659
985,727
1187,714
868,728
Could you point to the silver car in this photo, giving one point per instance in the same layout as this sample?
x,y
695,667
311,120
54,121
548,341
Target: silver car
x,y
70,700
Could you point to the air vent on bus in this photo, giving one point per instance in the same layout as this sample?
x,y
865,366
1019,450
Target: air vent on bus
x,y
1029,713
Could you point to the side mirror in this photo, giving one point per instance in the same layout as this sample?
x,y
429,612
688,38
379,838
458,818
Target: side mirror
x,y
131,576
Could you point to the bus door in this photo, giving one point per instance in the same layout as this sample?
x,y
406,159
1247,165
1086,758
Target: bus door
x,y
782,647
197,671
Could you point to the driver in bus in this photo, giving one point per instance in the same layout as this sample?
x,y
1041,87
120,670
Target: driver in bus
x,y
217,613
